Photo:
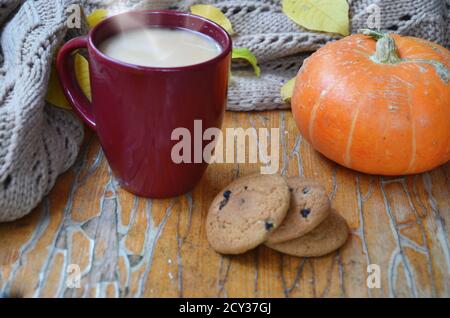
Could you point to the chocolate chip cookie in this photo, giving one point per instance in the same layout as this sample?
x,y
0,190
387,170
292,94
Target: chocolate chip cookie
x,y
308,208
246,212
326,238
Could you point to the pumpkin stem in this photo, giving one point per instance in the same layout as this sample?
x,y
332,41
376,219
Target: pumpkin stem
x,y
376,35
386,52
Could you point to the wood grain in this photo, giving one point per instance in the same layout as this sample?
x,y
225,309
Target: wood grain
x,y
127,246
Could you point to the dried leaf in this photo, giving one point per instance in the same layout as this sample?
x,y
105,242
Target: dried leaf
x,y
319,15
55,94
245,54
96,17
287,90
82,75
212,13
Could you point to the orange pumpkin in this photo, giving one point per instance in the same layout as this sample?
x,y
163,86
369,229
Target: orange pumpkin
x,y
377,103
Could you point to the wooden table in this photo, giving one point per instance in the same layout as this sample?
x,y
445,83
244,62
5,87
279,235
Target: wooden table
x,y
129,246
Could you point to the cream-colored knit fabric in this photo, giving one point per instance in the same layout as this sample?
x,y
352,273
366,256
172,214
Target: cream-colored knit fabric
x,y
38,141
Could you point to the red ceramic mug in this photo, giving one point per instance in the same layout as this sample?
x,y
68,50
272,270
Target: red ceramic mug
x,y
134,109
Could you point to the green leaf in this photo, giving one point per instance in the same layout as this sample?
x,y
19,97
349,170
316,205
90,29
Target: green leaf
x,y
245,54
319,15
287,90
212,13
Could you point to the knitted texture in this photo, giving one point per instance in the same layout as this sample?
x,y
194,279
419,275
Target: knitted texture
x,y
281,45
37,142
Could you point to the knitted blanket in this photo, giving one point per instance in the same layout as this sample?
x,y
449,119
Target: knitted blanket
x,y
38,141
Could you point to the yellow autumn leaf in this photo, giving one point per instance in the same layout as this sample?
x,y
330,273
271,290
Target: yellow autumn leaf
x,y
55,94
96,17
319,15
245,54
82,75
287,90
214,14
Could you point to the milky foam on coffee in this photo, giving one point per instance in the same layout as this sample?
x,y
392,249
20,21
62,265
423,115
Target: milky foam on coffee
x,y
161,47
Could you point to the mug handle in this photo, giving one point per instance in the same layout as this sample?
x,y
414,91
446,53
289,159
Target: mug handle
x,y
66,74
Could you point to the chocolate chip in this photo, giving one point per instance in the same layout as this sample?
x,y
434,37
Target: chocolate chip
x,y
305,212
226,196
305,190
290,189
245,188
268,225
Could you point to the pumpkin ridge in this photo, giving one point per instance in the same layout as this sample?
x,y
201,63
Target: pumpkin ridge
x,y
413,133
314,113
350,134
323,94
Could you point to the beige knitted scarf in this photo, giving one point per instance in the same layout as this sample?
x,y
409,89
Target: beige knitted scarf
x,y
38,141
